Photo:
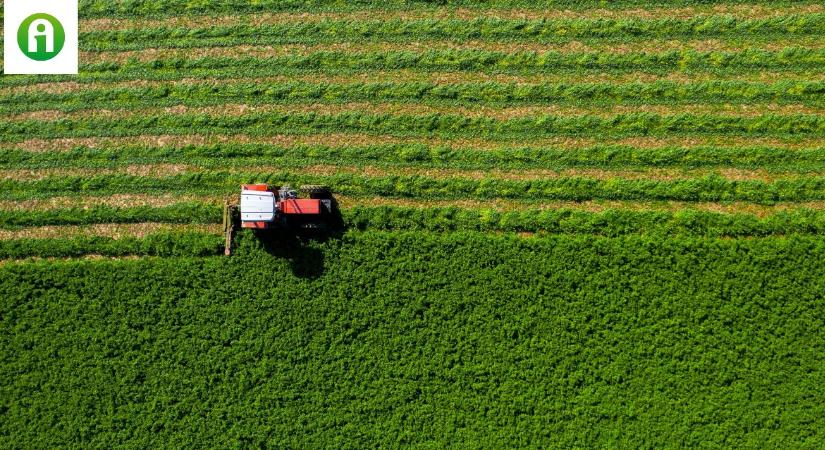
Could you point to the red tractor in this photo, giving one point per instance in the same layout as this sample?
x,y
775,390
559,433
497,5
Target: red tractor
x,y
264,207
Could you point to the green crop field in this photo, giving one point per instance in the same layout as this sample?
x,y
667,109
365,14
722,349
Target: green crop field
x,y
563,224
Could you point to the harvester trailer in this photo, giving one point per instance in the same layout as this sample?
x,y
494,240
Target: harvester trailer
x,y
265,207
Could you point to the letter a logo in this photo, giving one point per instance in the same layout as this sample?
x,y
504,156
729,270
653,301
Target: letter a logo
x,y
40,37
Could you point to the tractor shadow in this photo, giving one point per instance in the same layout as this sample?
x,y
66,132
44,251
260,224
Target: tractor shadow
x,y
300,246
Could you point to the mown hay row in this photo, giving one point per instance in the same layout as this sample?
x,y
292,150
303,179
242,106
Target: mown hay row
x,y
785,143
148,55
409,76
114,231
419,109
742,11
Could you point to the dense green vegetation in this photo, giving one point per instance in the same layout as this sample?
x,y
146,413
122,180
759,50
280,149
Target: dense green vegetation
x,y
422,339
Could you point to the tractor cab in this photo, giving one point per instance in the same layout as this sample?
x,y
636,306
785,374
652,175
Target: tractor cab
x,y
263,207
257,207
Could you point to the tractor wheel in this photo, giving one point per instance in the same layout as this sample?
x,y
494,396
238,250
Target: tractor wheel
x,y
315,191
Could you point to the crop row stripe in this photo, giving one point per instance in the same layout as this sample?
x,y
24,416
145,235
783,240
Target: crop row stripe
x,y
601,156
409,125
79,209
173,8
115,201
333,62
782,143
413,109
711,188
114,229
79,252
505,205
434,171
571,221
570,55
489,29
406,77
746,11
177,213
159,240
28,260
709,93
